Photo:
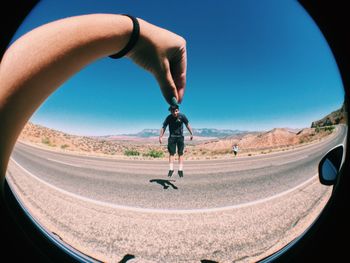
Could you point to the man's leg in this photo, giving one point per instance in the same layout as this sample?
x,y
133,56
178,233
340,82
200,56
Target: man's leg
x,y
171,150
171,164
180,149
181,166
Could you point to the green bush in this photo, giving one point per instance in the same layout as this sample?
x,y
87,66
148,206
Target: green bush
x,y
46,141
131,153
155,154
329,128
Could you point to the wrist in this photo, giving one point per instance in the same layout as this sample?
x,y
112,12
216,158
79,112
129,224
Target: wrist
x,y
132,39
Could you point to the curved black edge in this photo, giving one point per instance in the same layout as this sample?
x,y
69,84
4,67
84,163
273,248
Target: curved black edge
x,y
16,245
324,238
27,237
21,240
12,16
322,242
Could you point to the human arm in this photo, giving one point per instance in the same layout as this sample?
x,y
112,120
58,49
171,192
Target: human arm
x,y
162,130
161,133
41,60
189,128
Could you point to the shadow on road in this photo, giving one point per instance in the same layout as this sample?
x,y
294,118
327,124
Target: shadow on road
x,y
164,183
126,258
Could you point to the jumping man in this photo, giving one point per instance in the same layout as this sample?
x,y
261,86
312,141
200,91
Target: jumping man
x,y
176,139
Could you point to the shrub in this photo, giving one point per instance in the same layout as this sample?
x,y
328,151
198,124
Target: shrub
x,y
155,154
64,146
46,141
131,153
329,128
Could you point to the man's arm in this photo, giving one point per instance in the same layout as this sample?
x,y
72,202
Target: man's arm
x,y
188,126
40,61
162,130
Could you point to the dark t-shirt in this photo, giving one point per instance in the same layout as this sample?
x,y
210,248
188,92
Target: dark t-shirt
x,y
175,124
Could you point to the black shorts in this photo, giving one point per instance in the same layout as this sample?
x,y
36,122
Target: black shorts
x,y
176,141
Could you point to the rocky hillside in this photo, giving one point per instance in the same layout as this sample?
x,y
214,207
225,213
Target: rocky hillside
x,y
252,143
41,135
336,117
275,139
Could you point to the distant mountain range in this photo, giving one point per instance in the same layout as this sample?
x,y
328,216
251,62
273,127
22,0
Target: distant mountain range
x,y
203,132
336,117
208,142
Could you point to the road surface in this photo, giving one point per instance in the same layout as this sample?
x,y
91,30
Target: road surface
x,y
225,210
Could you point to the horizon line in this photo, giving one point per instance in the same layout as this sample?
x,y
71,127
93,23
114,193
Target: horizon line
x,y
135,133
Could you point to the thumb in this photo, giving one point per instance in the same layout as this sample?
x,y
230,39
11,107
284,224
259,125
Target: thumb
x,y
167,84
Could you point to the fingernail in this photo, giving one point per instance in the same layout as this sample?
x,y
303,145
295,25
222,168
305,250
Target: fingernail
x,y
174,101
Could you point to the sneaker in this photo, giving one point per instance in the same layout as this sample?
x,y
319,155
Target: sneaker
x,y
181,173
170,173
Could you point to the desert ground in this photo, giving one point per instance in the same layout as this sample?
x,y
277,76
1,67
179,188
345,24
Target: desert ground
x,y
128,147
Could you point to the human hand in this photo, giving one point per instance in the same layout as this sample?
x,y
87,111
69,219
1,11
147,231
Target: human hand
x,y
160,140
162,53
191,138
37,63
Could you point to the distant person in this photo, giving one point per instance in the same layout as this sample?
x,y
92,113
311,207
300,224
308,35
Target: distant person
x,y
235,149
36,64
176,138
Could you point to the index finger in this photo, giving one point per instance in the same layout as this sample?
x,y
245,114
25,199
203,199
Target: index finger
x,y
178,68
167,84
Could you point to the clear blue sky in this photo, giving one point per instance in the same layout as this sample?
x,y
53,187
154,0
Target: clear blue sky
x,y
252,65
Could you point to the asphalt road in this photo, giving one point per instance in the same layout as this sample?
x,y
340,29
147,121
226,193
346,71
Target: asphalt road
x,y
222,210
